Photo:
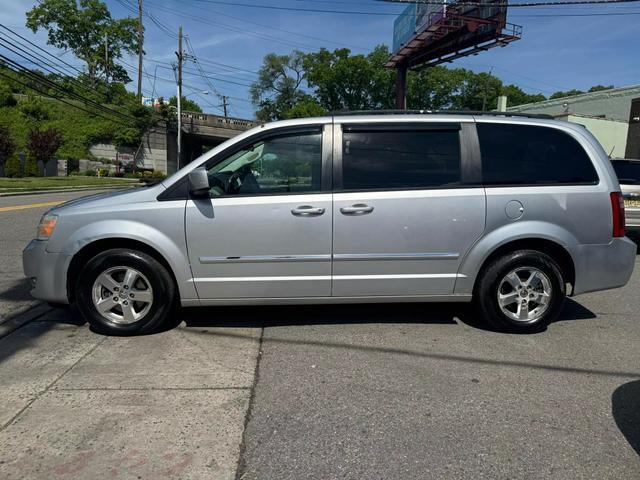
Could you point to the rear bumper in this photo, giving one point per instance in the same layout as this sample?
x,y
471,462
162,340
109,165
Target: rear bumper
x,y
601,267
47,272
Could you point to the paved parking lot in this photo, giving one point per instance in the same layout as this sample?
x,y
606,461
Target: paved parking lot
x,y
393,391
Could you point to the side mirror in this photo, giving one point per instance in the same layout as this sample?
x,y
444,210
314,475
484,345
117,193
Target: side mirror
x,y
199,182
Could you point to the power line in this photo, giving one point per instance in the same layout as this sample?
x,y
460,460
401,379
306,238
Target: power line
x,y
311,37
512,5
235,29
54,85
42,49
46,94
387,14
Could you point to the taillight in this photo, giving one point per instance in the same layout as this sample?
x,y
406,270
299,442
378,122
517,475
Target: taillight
x,y
617,210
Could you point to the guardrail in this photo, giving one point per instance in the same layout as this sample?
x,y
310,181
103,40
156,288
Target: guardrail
x,y
208,120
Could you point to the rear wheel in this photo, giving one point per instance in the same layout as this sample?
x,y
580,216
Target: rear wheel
x,y
520,292
124,292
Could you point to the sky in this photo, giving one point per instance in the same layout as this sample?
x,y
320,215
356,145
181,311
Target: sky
x,y
556,52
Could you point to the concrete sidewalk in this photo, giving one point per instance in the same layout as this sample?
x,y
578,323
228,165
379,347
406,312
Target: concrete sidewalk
x,y
75,404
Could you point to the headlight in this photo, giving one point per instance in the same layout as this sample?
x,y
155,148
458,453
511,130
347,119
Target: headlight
x,y
46,226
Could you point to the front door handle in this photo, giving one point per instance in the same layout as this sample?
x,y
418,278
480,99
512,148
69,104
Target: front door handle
x,y
357,209
307,211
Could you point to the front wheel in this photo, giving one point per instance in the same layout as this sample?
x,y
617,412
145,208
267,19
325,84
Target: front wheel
x,y
125,292
520,292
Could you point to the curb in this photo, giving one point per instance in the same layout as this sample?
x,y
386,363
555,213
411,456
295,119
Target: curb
x,y
20,319
69,190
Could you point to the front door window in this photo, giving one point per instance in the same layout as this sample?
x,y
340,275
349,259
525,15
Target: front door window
x,y
277,165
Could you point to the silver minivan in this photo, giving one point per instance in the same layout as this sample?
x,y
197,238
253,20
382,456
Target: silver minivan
x,y
510,212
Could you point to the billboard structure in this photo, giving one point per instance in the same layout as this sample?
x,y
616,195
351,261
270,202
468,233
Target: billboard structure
x,y
430,33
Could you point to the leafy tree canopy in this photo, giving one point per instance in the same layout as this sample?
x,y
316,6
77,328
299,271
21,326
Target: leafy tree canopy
x,y
82,26
186,104
279,85
314,83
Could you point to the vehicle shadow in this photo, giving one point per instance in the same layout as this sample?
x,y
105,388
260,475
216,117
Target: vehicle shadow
x,y
625,407
289,315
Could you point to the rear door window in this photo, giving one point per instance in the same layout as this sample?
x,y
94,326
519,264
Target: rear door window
x,y
532,155
387,160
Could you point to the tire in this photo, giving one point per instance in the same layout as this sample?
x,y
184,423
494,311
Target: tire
x,y
137,309
522,303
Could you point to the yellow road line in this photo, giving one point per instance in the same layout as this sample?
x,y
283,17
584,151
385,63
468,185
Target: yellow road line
x,y
33,205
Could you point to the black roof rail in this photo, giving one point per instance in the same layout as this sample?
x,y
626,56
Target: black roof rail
x,y
346,113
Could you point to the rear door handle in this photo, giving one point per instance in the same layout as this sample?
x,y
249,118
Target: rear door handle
x,y
307,211
357,209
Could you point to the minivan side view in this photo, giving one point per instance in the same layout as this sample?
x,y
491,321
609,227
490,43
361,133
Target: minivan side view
x,y
511,212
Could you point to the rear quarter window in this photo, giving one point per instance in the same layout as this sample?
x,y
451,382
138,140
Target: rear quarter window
x,y
532,155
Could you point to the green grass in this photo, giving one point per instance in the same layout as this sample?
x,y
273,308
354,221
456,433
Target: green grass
x,y
54,183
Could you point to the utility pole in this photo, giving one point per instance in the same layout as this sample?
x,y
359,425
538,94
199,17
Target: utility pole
x,y
179,95
106,58
401,87
224,105
484,93
140,49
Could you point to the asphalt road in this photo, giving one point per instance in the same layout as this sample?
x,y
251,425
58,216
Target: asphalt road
x,y
334,392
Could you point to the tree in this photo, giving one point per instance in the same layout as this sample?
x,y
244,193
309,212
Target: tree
x,y
7,148
12,167
600,88
278,87
434,88
305,108
34,108
568,93
42,146
6,96
354,82
187,105
516,96
82,26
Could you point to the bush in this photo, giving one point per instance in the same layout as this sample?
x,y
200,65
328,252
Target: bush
x,y
35,108
158,174
103,172
6,96
73,173
31,167
90,173
12,167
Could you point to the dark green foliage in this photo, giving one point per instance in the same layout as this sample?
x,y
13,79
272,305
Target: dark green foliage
x,y
516,96
310,84
568,93
278,87
12,167
187,105
600,88
6,96
31,166
7,144
81,26
305,108
34,109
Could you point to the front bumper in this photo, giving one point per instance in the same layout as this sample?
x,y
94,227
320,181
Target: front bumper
x,y
601,267
47,272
